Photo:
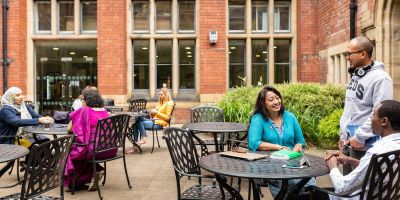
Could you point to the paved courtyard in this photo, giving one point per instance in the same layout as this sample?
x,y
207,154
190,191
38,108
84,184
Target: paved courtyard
x,y
151,175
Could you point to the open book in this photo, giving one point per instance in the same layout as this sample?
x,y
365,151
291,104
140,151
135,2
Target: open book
x,y
285,154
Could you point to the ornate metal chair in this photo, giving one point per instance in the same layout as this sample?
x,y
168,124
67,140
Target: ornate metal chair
x,y
207,114
45,169
30,103
110,135
186,163
137,105
382,180
154,128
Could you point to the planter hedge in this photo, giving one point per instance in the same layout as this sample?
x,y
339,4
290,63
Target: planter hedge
x,y
310,102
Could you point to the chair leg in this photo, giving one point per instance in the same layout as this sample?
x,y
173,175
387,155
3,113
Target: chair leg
x,y
97,181
152,148
126,172
157,139
105,173
73,183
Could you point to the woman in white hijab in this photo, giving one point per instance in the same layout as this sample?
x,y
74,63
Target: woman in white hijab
x,y
13,116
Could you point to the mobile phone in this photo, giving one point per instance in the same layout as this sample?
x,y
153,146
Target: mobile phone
x,y
293,166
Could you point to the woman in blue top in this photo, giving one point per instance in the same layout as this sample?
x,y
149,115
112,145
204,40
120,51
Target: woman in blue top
x,y
273,128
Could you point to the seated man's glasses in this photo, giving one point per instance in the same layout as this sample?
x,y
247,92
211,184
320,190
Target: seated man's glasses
x,y
348,53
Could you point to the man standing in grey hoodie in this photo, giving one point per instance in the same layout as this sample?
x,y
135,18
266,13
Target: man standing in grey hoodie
x,y
369,85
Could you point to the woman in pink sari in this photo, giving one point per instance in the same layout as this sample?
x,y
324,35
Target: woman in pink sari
x,y
83,125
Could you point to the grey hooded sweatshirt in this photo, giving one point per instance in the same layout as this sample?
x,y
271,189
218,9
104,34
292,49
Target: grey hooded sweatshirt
x,y
362,95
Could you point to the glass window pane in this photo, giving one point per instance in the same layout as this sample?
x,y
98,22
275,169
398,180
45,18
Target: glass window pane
x,y
282,16
63,69
259,62
186,15
163,15
259,14
236,17
164,63
66,16
282,61
89,16
186,64
141,64
237,53
141,16
43,13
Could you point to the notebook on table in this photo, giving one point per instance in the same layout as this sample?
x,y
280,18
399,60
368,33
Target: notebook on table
x,y
245,156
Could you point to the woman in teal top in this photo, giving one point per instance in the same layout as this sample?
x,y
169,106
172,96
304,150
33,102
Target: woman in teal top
x,y
272,128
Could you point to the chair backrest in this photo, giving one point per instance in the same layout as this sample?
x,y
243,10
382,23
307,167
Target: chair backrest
x,y
30,103
110,133
206,114
45,167
383,177
137,105
172,112
182,150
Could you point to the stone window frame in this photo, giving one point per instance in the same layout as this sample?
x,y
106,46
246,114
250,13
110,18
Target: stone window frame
x,y
54,5
271,36
175,35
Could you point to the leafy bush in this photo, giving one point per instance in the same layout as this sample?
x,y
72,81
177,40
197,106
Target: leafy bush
x,y
310,102
329,129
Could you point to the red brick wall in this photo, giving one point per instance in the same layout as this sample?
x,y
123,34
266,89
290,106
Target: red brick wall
x,y
212,57
334,25
307,41
16,46
111,52
181,116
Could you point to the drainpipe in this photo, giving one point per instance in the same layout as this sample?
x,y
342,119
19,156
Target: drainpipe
x,y
5,61
353,10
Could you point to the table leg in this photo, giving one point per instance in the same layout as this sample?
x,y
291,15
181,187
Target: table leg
x,y
216,142
282,193
296,188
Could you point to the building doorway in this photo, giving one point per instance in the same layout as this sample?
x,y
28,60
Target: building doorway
x,y
63,69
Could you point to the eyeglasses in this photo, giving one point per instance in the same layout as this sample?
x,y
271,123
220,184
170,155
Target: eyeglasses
x,y
348,53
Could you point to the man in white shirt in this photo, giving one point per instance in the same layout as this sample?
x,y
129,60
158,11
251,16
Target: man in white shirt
x,y
385,123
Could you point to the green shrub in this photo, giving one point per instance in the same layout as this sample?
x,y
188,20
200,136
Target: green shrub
x,y
310,102
329,129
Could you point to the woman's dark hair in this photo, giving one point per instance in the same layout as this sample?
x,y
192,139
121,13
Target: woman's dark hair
x,y
391,110
260,102
92,98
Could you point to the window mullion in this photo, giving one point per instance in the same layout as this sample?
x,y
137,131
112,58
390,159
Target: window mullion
x,y
54,17
77,17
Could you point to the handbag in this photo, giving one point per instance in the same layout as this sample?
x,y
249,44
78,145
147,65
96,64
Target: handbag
x,y
61,117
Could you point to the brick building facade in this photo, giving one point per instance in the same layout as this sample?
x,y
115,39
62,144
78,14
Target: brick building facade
x,y
264,41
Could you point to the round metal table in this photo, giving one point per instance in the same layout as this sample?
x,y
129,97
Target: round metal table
x,y
10,152
54,129
216,128
265,169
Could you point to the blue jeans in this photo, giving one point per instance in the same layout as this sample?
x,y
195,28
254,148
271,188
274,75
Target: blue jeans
x,y
143,124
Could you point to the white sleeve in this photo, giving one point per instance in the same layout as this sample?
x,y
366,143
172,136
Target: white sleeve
x,y
345,185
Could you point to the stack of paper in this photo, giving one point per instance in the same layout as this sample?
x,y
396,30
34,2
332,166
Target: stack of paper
x,y
285,154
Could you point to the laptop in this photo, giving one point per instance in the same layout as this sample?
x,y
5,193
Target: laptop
x,y
245,156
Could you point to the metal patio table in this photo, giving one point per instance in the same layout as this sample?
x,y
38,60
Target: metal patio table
x,y
265,168
10,152
54,129
216,128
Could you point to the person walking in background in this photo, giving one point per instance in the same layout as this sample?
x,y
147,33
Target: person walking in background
x,y
161,113
369,85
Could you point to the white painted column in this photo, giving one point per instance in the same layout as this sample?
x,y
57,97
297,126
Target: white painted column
x,y
77,19
54,17
337,69
343,69
175,67
330,75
